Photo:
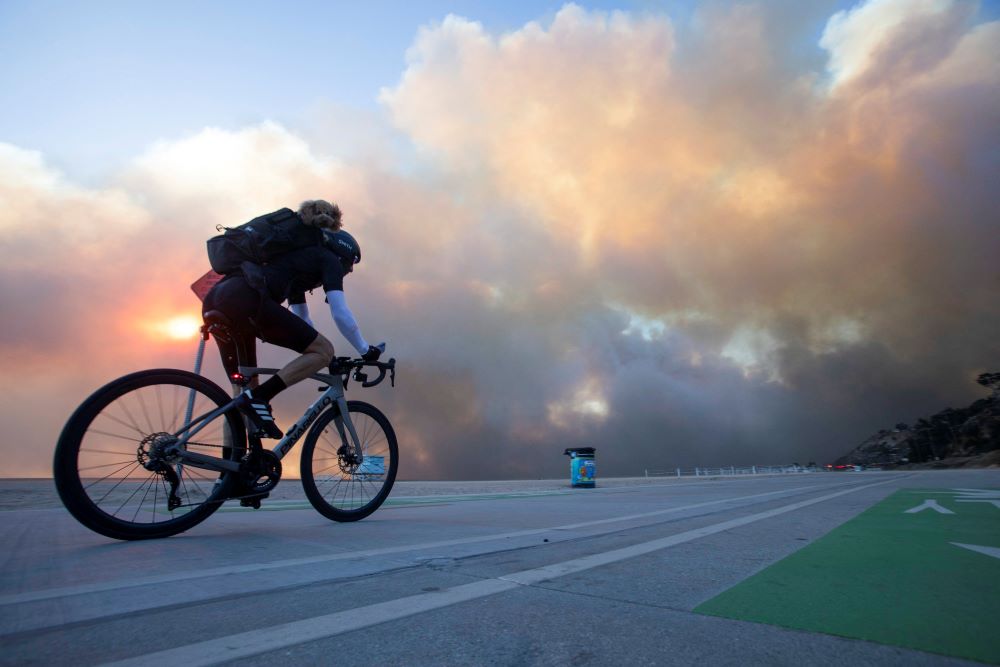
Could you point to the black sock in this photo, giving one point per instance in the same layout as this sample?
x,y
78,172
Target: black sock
x,y
271,388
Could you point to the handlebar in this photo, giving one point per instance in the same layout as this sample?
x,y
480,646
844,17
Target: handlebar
x,y
344,365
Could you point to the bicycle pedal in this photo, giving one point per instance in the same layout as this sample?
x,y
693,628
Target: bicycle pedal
x,y
253,501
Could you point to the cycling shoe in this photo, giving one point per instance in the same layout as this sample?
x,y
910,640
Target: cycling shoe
x,y
259,414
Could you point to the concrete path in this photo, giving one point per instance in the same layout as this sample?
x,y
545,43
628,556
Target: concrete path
x,y
524,574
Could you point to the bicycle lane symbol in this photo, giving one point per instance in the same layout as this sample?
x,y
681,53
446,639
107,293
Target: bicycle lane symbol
x,y
928,504
984,496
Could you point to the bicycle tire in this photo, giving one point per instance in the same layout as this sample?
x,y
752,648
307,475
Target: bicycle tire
x,y
349,493
118,421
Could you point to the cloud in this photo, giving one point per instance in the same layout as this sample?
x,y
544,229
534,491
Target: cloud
x,y
669,243
43,212
882,35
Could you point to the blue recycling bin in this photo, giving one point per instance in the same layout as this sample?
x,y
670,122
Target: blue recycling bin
x,y
582,469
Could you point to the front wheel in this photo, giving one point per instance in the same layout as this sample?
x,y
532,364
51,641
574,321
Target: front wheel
x,y
338,486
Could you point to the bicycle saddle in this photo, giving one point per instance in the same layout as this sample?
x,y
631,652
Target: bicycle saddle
x,y
216,317
217,324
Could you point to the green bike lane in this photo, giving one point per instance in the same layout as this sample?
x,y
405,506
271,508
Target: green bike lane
x,y
920,569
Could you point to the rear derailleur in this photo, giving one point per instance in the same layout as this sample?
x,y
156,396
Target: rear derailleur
x,y
151,453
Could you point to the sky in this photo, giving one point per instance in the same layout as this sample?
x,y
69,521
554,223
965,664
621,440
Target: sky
x,y
686,234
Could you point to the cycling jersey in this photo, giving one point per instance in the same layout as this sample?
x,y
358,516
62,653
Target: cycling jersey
x,y
291,275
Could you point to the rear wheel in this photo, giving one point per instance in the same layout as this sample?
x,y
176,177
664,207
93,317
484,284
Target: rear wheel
x,y
338,486
112,469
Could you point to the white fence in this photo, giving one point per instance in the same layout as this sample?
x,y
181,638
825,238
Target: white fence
x,y
729,471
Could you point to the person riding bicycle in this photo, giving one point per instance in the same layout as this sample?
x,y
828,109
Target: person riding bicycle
x,y
252,304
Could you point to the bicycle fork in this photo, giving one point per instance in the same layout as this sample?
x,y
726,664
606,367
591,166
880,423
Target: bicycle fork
x,y
340,422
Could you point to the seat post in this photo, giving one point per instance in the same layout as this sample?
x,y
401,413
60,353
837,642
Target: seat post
x,y
189,411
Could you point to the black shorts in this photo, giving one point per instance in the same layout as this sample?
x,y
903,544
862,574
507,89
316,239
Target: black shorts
x,y
254,315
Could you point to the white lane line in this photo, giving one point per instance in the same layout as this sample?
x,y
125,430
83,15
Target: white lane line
x,y
255,642
103,587
979,548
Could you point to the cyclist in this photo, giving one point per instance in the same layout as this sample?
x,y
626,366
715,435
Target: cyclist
x,y
252,304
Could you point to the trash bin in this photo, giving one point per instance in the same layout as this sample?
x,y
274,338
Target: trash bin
x,y
582,470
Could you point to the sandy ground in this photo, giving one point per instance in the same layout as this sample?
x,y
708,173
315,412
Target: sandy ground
x,y
21,494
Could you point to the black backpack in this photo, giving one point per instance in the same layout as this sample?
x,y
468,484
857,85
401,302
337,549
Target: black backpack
x,y
259,241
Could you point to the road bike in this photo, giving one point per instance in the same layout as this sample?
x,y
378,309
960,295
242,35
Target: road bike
x,y
131,462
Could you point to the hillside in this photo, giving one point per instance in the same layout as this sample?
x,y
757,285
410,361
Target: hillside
x,y
965,433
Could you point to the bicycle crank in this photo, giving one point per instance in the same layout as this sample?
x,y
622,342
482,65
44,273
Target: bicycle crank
x,y
264,475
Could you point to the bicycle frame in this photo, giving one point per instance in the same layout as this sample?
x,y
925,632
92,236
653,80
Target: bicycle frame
x,y
334,395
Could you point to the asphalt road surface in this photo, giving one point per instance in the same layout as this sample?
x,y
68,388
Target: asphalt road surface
x,y
871,568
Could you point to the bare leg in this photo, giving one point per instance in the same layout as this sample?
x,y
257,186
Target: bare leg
x,y
316,356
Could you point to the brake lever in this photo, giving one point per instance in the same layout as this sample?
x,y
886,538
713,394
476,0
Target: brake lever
x,y
381,376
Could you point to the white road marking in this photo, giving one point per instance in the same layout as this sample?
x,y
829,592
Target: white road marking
x,y
928,505
991,496
989,551
978,494
102,587
255,642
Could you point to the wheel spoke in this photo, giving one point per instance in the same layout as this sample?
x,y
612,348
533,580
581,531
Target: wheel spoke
x,y
141,501
131,420
156,497
115,435
323,470
130,463
159,403
174,425
107,465
134,466
127,424
107,451
138,488
196,476
145,411
188,493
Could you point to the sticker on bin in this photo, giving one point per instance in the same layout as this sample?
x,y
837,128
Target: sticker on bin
x,y
371,466
581,466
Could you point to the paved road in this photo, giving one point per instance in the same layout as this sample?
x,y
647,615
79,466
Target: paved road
x,y
542,576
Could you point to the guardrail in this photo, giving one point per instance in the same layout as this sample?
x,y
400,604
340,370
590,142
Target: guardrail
x,y
728,471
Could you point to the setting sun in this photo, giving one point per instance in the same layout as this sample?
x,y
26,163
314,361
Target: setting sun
x,y
165,323
182,327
